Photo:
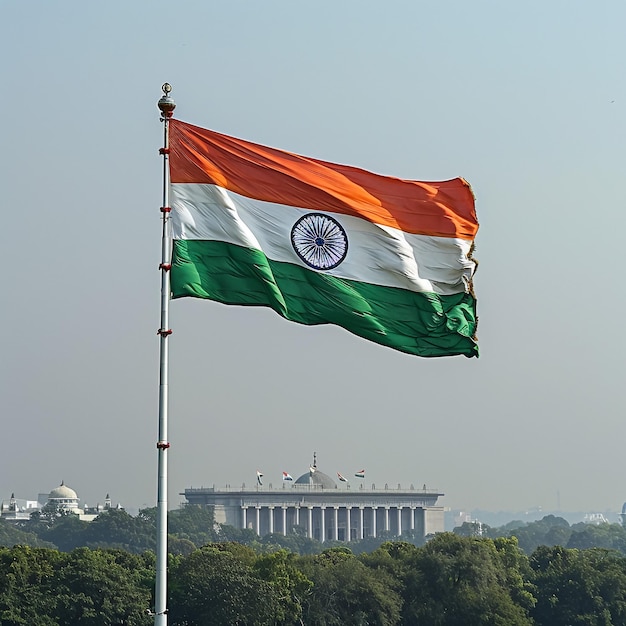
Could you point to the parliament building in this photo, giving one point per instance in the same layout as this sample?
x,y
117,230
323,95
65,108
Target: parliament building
x,y
324,510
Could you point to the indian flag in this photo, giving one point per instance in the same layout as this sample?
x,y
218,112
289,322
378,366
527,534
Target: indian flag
x,y
389,260
360,474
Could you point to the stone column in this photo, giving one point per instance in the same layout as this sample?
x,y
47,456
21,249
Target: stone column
x,y
297,515
270,510
399,521
284,521
336,535
412,518
348,509
387,518
323,529
360,522
258,520
244,511
374,509
310,529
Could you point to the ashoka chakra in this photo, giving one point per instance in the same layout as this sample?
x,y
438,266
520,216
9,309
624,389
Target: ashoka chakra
x,y
320,241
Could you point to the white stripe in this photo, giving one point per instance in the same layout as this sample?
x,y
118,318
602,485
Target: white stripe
x,y
377,254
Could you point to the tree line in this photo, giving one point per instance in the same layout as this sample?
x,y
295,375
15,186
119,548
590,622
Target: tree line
x,y
450,581
191,526
552,531
57,571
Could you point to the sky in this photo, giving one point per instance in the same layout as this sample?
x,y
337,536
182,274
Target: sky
x,y
526,101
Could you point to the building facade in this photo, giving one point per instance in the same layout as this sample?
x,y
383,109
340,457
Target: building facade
x,y
62,499
317,506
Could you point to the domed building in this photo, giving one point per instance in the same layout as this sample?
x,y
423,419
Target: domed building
x,y
64,499
316,479
316,505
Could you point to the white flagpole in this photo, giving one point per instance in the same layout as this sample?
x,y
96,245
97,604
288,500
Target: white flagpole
x,y
166,106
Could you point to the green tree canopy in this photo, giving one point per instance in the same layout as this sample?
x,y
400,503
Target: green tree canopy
x,y
608,536
104,588
116,528
217,585
579,587
467,580
27,587
548,531
194,523
347,592
43,587
12,534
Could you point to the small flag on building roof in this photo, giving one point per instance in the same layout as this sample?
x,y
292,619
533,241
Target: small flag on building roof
x,y
287,476
360,474
343,479
259,475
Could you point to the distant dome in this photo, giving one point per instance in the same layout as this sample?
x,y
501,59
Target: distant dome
x,y
317,479
63,492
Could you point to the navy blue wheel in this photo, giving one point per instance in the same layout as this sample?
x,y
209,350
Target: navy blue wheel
x,y
320,241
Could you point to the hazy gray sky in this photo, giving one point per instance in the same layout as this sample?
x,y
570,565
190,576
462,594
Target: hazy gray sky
x,y
526,101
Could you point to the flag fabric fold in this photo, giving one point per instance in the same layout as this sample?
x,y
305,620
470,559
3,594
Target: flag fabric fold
x,y
259,475
389,260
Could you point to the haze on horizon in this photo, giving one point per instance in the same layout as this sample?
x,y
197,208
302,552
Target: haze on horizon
x,y
526,102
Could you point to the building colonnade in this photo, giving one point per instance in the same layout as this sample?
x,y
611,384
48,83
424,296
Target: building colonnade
x,y
327,522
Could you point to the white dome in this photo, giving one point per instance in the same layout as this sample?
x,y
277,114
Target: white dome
x,y
63,492
316,479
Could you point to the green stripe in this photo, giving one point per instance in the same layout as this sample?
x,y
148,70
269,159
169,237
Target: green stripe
x,y
424,324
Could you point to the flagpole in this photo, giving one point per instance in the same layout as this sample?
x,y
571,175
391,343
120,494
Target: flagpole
x,y
166,105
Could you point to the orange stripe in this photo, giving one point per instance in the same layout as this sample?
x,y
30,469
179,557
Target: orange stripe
x,y
442,209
